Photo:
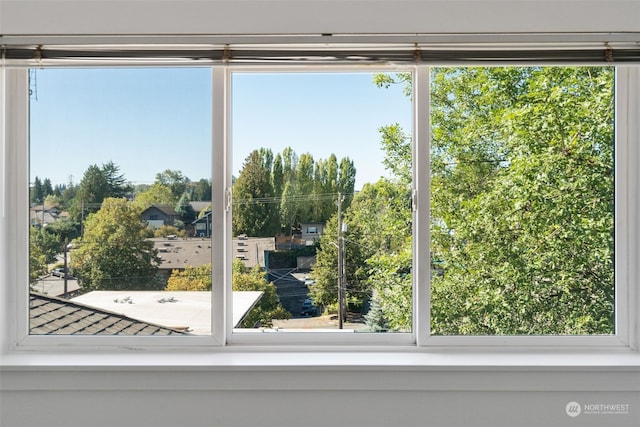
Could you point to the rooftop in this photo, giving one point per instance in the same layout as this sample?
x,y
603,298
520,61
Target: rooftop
x,y
54,316
183,252
183,310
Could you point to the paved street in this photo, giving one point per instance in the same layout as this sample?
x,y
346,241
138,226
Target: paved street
x,y
54,286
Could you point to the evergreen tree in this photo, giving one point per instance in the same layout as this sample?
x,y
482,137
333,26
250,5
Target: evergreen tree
x,y
255,212
375,319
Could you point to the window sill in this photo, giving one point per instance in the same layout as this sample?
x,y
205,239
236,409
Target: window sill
x,y
257,369
403,358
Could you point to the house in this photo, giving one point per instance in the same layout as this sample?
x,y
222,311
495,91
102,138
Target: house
x,y
40,215
311,232
202,225
251,250
179,253
158,215
200,206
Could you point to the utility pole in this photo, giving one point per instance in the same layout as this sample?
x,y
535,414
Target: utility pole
x,y
341,269
66,274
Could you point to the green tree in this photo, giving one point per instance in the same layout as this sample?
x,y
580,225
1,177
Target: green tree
x,y
43,247
277,176
113,252
255,212
243,279
185,210
64,230
376,319
346,179
168,230
288,208
156,194
268,307
37,256
521,201
537,256
97,184
36,193
324,291
330,187
174,180
201,190
304,188
47,188
190,279
93,190
116,183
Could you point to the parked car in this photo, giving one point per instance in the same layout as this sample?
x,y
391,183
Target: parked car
x,y
308,309
59,272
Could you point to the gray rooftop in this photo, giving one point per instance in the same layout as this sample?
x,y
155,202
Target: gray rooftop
x,y
55,316
183,252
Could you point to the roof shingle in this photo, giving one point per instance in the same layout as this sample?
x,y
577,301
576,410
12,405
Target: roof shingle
x,y
55,316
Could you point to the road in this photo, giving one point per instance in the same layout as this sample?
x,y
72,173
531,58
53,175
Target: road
x,y
54,286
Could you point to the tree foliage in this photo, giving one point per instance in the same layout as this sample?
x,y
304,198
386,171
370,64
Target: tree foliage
x,y
113,253
156,194
268,307
175,181
299,189
98,183
254,214
190,279
521,202
243,279
43,248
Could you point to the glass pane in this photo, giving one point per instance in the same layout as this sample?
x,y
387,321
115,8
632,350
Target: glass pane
x,y
322,202
120,170
522,199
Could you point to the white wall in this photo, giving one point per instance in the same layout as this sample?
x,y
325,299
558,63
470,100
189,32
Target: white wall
x,y
165,397
522,394
315,16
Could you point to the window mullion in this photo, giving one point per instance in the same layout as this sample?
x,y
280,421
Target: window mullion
x,y
627,209
421,214
221,239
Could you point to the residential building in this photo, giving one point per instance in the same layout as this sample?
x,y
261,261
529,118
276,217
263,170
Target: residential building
x,y
179,253
158,215
202,225
311,232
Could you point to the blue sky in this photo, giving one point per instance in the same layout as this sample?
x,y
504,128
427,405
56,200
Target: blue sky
x,y
149,120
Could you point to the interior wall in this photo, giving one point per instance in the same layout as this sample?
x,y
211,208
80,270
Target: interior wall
x,y
27,17
98,398
307,408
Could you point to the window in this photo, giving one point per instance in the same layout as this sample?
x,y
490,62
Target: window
x,y
311,148
522,201
120,160
503,215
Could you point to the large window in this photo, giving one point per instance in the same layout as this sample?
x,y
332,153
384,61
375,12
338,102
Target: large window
x,y
119,201
315,151
307,205
522,201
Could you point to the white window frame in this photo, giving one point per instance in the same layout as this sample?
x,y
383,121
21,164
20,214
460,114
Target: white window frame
x,y
14,128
